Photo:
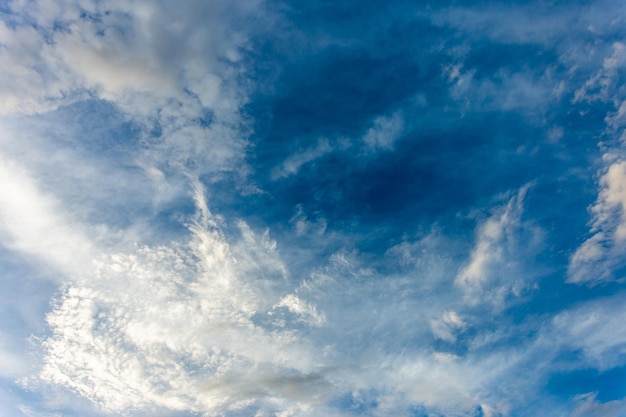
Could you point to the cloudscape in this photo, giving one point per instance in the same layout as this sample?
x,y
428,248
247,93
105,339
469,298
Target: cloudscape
x,y
276,208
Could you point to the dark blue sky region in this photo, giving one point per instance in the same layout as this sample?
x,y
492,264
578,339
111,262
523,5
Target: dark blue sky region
x,y
323,208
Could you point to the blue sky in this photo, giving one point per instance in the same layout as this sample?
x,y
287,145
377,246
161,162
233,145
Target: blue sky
x,y
284,208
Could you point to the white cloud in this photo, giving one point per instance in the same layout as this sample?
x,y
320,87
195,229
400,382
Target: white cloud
x,y
588,406
385,131
605,83
153,47
494,272
174,326
522,91
596,328
294,162
33,222
161,64
446,327
540,24
307,312
303,226
597,258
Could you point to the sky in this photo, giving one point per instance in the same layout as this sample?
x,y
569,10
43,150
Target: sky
x,y
282,208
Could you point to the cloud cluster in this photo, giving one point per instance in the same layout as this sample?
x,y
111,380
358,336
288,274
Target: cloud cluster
x,y
174,70
174,327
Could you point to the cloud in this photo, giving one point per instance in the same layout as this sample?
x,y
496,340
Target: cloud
x,y
174,326
588,406
384,132
303,226
172,70
595,328
494,272
33,223
600,255
121,48
542,24
598,258
604,84
293,163
507,89
306,312
516,24
382,135
165,307
446,327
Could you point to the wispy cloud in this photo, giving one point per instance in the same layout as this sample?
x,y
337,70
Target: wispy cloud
x,y
174,326
129,134
384,132
494,271
598,257
595,329
294,162
588,405
34,224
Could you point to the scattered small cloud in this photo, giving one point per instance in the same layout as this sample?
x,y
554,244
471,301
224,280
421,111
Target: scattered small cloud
x,y
495,271
384,132
292,164
446,327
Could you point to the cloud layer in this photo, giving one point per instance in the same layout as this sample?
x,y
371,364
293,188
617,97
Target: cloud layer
x,y
304,209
